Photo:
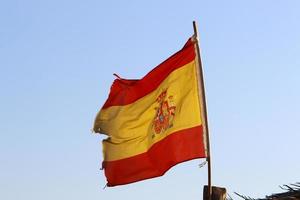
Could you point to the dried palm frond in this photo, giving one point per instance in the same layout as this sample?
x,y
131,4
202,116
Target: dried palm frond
x,y
292,193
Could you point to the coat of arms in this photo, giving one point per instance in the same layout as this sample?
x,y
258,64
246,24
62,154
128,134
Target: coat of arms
x,y
165,113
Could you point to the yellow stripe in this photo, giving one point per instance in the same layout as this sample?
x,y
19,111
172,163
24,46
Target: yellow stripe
x,y
130,127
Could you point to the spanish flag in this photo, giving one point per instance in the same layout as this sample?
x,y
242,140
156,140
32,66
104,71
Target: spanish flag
x,y
155,122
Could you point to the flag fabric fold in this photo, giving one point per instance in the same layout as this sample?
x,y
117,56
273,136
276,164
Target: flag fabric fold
x,y
153,123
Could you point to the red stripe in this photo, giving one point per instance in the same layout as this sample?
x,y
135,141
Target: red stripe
x,y
178,147
126,91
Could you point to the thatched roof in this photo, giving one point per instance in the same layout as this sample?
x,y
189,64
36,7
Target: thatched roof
x,y
292,192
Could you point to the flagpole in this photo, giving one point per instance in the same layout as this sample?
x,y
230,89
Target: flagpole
x,y
204,110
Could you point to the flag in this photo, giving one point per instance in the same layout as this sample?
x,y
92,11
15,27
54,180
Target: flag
x,y
155,122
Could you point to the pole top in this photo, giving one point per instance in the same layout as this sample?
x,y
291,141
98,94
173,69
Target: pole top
x,y
195,30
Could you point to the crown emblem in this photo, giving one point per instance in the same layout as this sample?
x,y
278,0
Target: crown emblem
x,y
165,113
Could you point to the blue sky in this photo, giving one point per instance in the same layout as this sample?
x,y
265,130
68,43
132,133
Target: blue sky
x,y
56,64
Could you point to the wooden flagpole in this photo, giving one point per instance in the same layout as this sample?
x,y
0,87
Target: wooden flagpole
x,y
204,110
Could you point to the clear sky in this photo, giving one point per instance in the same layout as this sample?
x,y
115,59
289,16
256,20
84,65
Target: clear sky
x,y
56,63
